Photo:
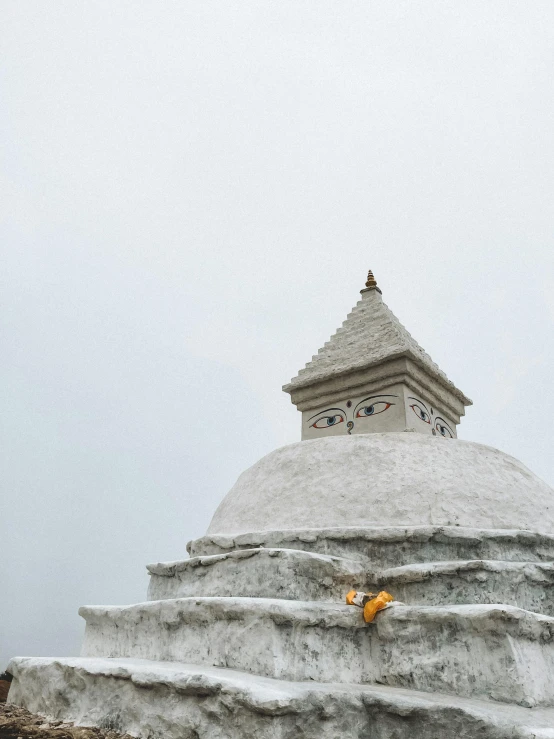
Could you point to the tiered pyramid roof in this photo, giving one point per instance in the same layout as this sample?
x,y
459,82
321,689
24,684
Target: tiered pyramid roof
x,y
371,335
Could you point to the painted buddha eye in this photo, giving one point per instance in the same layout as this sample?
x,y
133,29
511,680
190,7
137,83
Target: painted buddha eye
x,y
443,429
327,421
373,409
421,413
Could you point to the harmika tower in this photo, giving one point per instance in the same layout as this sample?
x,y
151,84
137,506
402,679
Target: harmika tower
x,y
251,636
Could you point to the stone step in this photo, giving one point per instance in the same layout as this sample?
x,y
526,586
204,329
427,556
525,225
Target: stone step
x,y
484,651
294,640
181,701
527,585
393,546
258,573
297,575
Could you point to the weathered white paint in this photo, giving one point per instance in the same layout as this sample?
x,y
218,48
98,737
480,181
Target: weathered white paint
x,y
181,701
299,640
391,546
389,479
258,573
298,575
293,640
527,585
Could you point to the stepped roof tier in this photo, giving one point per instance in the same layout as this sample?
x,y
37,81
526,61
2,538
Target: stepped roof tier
x,y
373,352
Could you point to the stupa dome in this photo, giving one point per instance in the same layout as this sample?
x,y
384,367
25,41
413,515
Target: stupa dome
x,y
385,479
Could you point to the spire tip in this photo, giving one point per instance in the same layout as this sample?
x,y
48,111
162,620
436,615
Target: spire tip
x,y
371,283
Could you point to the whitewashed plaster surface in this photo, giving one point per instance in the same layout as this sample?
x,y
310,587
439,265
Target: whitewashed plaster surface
x,y
293,640
391,546
421,647
527,585
258,573
401,479
162,700
297,575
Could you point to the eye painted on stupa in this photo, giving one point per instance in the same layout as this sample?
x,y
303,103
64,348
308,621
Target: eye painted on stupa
x,y
373,405
443,428
327,419
374,409
421,411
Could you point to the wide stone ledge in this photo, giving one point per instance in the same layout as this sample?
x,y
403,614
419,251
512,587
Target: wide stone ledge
x,y
180,701
485,651
287,639
421,647
527,585
389,546
258,573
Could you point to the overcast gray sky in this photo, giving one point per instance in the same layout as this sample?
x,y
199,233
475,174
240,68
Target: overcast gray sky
x,y
191,194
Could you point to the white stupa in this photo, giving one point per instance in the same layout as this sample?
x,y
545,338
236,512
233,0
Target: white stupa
x,y
251,637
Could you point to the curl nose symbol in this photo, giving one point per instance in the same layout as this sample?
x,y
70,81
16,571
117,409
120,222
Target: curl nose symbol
x,y
350,426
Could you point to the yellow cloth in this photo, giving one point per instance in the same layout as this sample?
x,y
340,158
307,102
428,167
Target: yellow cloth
x,y
358,598
376,604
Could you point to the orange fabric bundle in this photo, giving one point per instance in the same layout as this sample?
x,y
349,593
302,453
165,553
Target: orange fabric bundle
x,y
358,598
370,602
376,604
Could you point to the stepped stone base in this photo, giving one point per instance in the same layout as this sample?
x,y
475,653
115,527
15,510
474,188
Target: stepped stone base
x,y
527,585
258,573
296,575
392,546
212,655
420,647
162,700
294,640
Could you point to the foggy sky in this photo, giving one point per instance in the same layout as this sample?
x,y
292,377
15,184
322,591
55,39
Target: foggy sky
x,y
191,194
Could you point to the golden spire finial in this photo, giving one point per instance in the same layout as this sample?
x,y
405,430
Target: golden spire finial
x,y
371,281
